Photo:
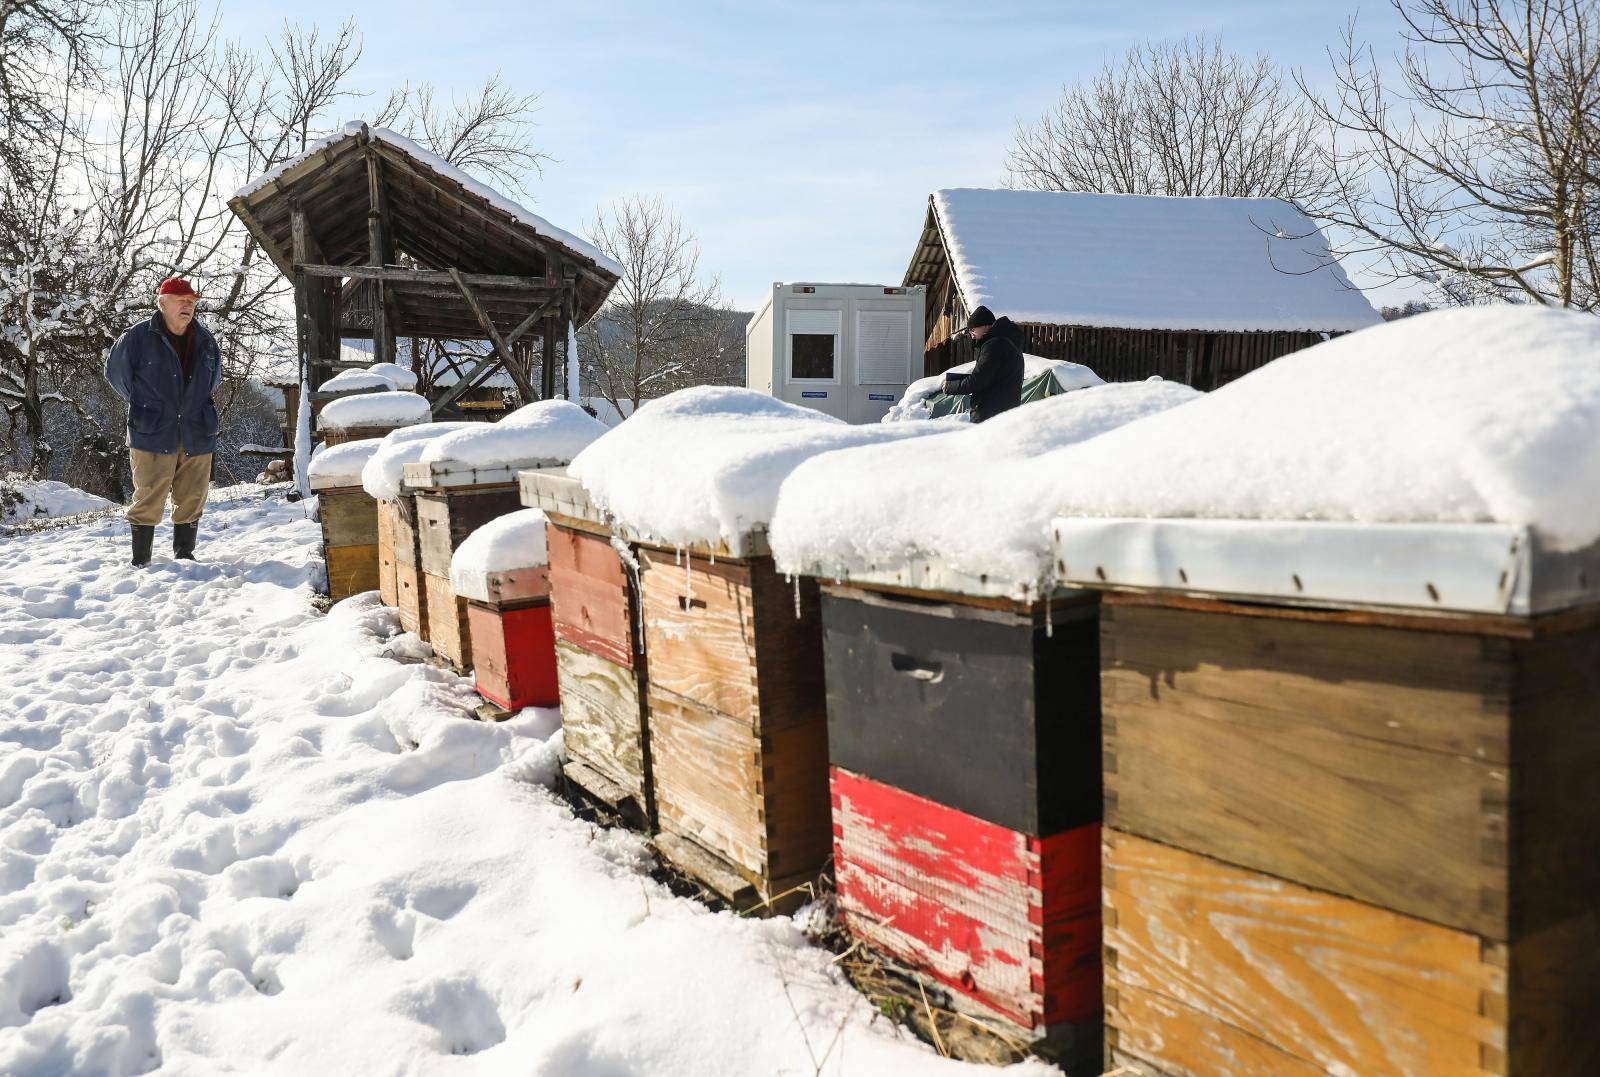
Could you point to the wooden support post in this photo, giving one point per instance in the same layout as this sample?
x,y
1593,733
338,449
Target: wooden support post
x,y
500,346
378,255
547,363
306,296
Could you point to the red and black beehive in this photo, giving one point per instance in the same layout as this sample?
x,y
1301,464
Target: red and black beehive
x,y
964,743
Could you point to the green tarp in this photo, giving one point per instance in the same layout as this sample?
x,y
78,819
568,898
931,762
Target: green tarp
x,y
1035,388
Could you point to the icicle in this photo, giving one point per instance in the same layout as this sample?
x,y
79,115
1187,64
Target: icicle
x,y
1049,623
688,579
796,580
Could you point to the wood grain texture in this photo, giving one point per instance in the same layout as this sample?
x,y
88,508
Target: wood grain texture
x,y
758,800
412,598
593,613
602,717
513,655
584,554
349,517
1368,761
1215,969
403,520
388,588
351,570
446,517
728,636
448,630
1007,919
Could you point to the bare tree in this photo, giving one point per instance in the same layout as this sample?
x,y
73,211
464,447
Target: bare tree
x,y
664,326
1478,172
1176,118
489,132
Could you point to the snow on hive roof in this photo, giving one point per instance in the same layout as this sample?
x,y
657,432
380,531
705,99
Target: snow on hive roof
x,y
977,500
402,378
347,380
704,464
544,433
1145,261
391,409
504,544
444,168
383,475
1480,414
341,465
357,350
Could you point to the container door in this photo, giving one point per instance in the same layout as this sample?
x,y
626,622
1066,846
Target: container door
x,y
813,346
885,340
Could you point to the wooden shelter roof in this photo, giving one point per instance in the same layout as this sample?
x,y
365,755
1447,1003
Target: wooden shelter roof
x,y
438,219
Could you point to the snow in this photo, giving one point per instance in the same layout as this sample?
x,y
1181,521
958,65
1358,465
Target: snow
x,y
704,464
1146,261
238,836
303,449
444,168
384,474
391,409
351,380
505,544
23,499
402,378
977,499
1477,414
913,403
574,366
341,465
544,433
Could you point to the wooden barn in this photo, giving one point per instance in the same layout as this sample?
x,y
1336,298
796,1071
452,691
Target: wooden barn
x,y
384,239
1195,290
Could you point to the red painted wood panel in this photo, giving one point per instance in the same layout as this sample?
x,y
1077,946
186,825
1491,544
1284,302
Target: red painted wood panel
x,y
592,614
1010,920
514,655
585,555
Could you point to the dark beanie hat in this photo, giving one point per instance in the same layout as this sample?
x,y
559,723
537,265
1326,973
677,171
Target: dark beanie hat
x,y
981,316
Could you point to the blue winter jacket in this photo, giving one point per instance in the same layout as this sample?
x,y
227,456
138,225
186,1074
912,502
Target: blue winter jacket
x,y
162,411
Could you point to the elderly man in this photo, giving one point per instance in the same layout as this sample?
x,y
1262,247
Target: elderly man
x,y
995,380
166,369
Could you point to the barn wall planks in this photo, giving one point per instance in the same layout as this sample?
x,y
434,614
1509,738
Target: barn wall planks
x,y
602,717
388,588
448,630
513,654
1207,962
981,710
1006,918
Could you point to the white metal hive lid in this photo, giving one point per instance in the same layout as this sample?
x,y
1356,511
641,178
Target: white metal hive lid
x,y
1460,568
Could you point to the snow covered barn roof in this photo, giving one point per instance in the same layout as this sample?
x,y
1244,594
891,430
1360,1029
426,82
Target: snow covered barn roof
x,y
1144,262
438,216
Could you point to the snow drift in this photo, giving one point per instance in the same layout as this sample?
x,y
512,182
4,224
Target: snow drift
x,y
392,409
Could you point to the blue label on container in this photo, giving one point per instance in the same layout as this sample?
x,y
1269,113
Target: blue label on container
x,y
814,395
881,396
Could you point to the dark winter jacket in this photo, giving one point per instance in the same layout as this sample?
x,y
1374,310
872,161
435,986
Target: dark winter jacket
x,y
995,381
163,409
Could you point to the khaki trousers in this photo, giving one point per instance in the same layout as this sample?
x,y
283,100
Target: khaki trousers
x,y
155,475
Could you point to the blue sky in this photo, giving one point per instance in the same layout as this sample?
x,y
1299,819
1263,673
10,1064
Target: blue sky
x,y
797,140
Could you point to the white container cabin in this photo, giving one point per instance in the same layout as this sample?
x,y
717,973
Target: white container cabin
x,y
849,350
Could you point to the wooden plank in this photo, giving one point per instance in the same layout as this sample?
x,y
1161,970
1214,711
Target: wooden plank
x,y
1005,918
448,630
352,570
412,598
1241,960
388,589
602,718
349,517
533,288
513,655
707,775
597,786
502,348
585,555
1366,761
445,519
403,521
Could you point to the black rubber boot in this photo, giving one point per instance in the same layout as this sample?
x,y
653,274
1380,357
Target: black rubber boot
x,y
183,536
143,536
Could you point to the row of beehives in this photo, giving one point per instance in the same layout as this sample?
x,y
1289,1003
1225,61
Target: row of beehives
x,y
1250,838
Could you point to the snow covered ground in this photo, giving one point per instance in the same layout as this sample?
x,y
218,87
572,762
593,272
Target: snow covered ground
x,y
235,836
23,499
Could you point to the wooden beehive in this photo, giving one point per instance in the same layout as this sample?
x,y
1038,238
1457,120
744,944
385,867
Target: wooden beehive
x,y
964,737
600,662
737,721
349,518
388,587
1353,839
446,514
410,595
513,653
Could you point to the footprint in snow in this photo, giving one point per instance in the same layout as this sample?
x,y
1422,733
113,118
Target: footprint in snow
x,y
444,900
395,930
459,1009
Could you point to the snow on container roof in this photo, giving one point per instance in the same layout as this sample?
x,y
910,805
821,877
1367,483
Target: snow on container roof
x,y
702,466
347,380
342,465
403,379
391,409
383,475
505,544
546,433
1467,415
969,511
1141,261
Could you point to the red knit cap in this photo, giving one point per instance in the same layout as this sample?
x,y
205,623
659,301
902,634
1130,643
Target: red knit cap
x,y
177,286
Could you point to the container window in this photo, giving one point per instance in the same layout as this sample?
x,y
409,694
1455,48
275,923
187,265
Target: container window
x,y
812,355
